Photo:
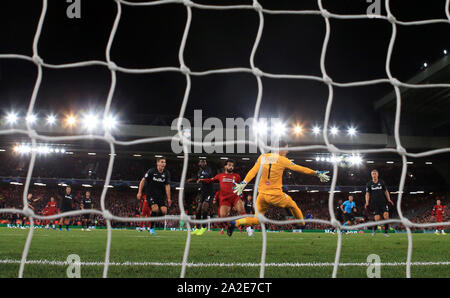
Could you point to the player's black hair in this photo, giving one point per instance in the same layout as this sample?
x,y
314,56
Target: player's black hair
x,y
230,160
160,158
375,171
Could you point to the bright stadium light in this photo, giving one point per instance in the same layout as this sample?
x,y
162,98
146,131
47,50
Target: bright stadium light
x,y
109,123
425,64
316,130
51,119
260,127
298,129
90,121
31,119
11,118
445,52
71,120
334,130
351,131
355,159
279,128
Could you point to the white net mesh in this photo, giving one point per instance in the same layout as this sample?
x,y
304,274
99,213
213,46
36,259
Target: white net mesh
x,y
108,138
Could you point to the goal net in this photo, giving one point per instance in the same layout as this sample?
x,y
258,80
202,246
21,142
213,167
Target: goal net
x,y
258,74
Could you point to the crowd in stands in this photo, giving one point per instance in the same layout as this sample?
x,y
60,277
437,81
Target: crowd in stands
x,y
123,202
129,168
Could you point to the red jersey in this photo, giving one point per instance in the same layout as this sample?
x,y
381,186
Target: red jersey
x,y
438,210
226,183
51,208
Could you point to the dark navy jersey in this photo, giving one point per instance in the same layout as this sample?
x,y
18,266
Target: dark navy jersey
x,y
156,183
67,200
87,203
248,206
207,189
376,191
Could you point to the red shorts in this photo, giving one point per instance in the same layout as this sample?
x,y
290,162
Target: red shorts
x,y
145,212
228,201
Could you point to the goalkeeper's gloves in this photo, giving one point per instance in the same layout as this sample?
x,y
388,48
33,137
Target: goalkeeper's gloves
x,y
239,187
322,175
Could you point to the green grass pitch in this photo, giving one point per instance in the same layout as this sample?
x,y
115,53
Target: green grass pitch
x,y
155,251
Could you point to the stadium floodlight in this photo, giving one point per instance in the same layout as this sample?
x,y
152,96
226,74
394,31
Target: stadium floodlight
x,y
92,153
298,129
279,128
317,158
370,161
445,52
316,130
334,130
11,118
355,160
110,122
90,121
260,127
425,64
51,119
31,119
428,163
63,150
390,162
71,120
351,131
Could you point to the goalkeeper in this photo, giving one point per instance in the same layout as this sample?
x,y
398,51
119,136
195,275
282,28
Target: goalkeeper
x,y
270,186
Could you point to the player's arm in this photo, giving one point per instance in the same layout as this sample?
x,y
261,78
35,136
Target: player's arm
x,y
239,187
322,175
209,180
387,194
190,180
141,186
367,199
342,208
169,200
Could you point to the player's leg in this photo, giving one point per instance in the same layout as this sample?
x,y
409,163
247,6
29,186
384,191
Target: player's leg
x,y
155,213
61,221
377,217
293,208
440,220
224,211
261,208
204,215
386,226
197,216
145,213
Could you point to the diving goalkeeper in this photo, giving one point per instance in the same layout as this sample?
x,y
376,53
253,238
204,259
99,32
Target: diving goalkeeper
x,y
270,186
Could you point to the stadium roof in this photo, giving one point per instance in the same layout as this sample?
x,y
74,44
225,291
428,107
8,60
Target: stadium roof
x,y
424,110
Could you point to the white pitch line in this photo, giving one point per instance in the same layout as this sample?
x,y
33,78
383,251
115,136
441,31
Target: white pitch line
x,y
62,263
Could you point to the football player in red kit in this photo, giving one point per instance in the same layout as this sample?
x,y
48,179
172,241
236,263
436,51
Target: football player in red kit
x,y
227,198
145,211
51,209
439,211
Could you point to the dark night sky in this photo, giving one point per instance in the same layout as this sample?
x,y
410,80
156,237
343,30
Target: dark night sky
x,y
150,37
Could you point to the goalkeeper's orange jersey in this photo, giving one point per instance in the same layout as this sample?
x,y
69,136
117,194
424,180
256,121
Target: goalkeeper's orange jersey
x,y
272,172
